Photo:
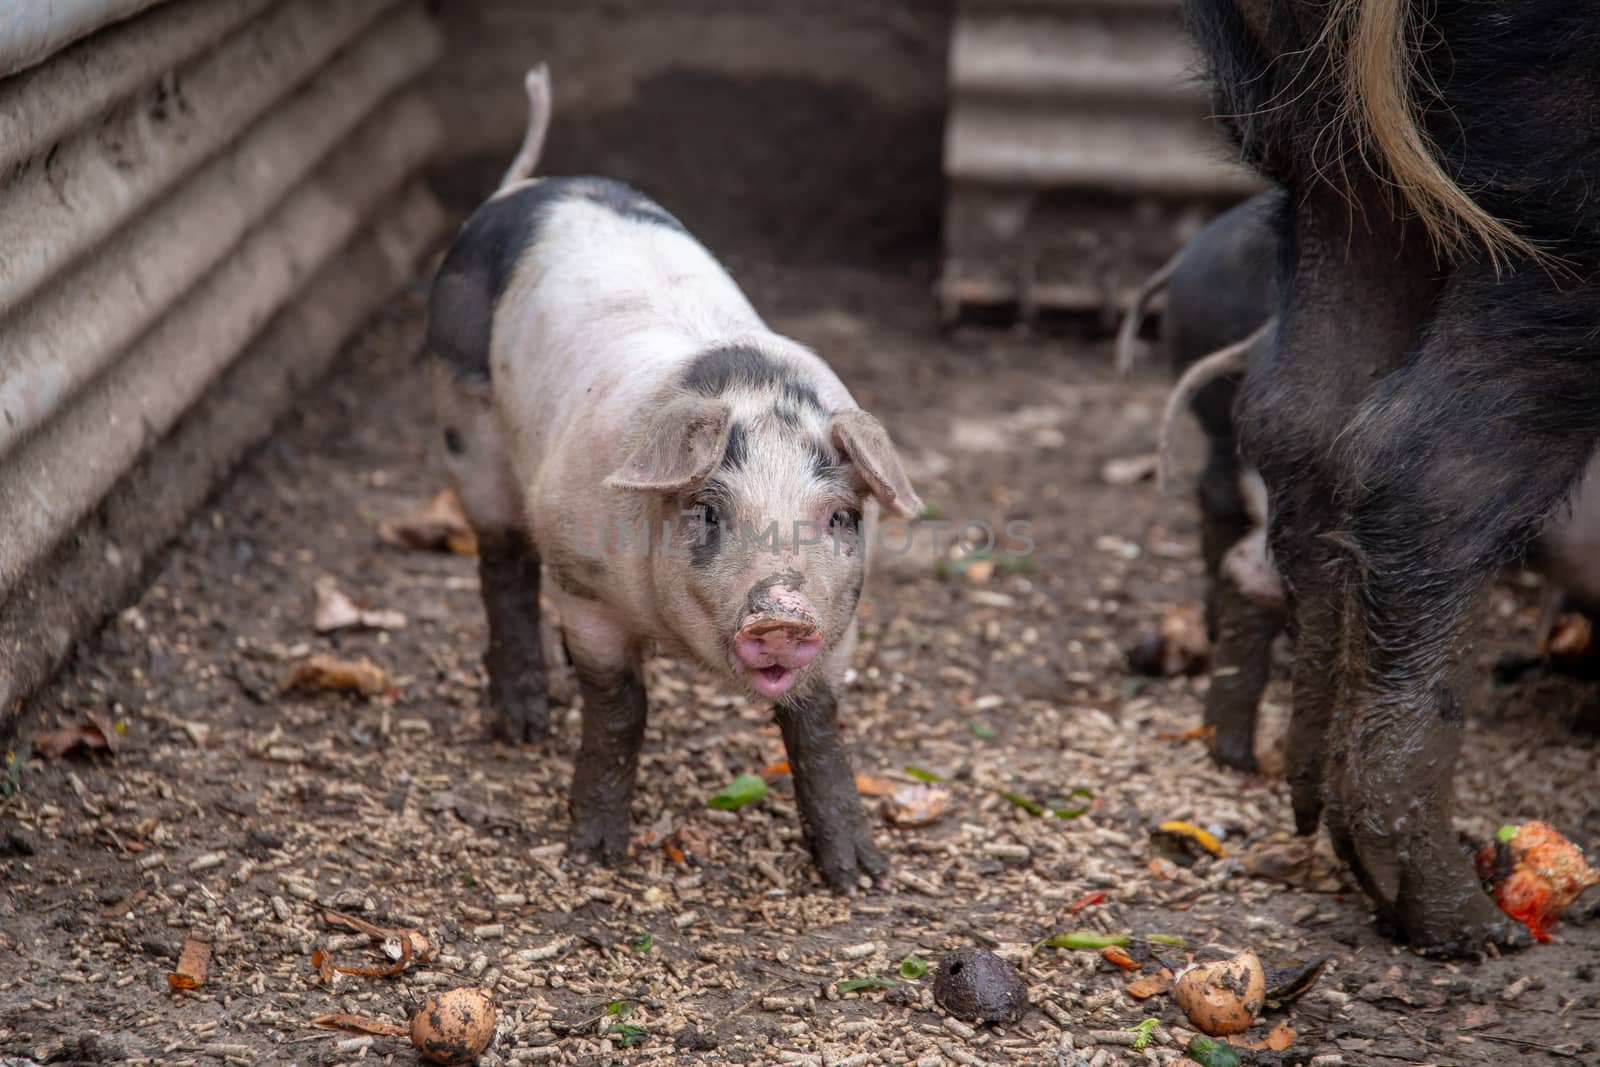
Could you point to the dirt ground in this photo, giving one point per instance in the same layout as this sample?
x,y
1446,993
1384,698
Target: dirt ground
x,y
236,811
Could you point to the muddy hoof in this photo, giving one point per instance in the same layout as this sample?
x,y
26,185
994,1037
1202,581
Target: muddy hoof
x,y
980,987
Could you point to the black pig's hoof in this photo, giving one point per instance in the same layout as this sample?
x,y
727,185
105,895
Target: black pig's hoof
x,y
980,987
1235,748
1484,929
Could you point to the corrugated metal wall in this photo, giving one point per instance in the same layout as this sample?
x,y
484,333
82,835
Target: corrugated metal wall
x,y
198,204
1076,139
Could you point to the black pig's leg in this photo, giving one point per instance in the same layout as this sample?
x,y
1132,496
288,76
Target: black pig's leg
x,y
1447,473
825,789
1304,383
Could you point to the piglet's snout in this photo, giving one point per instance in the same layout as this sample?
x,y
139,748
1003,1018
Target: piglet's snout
x,y
780,630
777,643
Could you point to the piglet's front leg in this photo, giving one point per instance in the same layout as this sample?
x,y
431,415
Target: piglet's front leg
x,y
614,712
825,789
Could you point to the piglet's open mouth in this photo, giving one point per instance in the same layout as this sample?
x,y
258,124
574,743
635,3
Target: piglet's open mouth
x,y
772,681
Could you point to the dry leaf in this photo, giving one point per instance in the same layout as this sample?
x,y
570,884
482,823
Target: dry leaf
x,y
1303,863
775,770
1570,636
1150,985
193,964
916,805
322,960
359,1024
340,675
97,733
1480,1016
440,525
868,786
336,611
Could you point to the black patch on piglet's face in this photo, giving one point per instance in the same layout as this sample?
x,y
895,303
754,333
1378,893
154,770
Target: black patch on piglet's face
x,y
733,456
717,370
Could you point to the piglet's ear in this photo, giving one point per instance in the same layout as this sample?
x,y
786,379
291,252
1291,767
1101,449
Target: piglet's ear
x,y
678,446
866,444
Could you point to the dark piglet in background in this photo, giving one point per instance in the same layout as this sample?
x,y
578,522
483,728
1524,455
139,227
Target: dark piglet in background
x,y
618,417
1221,290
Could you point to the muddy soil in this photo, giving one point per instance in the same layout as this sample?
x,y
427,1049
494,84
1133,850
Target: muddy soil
x,y
236,811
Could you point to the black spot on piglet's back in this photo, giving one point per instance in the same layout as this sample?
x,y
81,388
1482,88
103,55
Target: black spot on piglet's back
x,y
485,253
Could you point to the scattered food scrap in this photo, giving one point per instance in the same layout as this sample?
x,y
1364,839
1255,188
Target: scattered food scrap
x,y
193,964
333,674
869,786
1224,996
978,986
1292,980
453,1027
1209,1052
400,944
1177,646
1183,842
916,805
1533,873
743,790
360,1024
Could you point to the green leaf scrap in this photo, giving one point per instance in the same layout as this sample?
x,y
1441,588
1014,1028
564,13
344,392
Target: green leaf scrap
x,y
1208,1052
913,967
642,942
1090,939
627,1035
1145,1030
1059,807
743,790
922,775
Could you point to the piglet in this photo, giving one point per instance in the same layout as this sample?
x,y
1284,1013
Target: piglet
x,y
615,412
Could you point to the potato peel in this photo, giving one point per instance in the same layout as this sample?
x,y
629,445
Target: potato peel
x,y
193,965
360,1024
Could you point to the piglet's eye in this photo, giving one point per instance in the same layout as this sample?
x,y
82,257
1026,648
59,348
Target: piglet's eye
x,y
845,519
709,515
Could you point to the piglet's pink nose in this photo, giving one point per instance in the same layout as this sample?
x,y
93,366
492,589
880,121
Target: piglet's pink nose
x,y
777,643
